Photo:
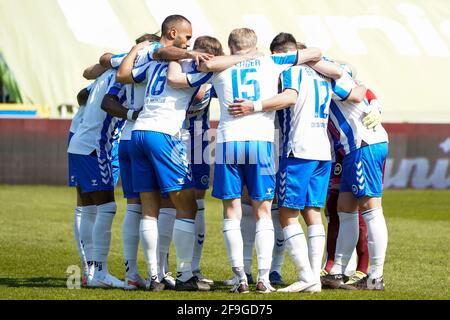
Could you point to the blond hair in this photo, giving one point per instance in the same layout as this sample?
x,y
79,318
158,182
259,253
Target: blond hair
x,y
242,38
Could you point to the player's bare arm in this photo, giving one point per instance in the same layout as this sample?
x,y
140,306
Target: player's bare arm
x,y
112,106
327,68
282,100
124,74
357,94
172,53
176,78
308,54
350,66
94,71
220,63
105,60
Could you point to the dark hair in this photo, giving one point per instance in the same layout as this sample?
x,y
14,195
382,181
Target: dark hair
x,y
283,42
170,21
148,37
301,45
209,44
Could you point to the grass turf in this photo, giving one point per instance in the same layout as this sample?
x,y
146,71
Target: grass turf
x,y
37,246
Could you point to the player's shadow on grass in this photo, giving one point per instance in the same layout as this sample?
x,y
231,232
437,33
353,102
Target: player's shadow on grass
x,y
39,282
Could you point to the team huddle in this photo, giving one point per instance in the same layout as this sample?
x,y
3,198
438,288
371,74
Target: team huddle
x,y
297,132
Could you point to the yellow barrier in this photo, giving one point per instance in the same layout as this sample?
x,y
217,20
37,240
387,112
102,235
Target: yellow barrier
x,y
24,110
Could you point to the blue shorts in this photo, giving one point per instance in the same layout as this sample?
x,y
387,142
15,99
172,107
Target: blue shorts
x,y
363,170
126,170
115,161
240,163
72,181
92,172
200,161
303,183
159,162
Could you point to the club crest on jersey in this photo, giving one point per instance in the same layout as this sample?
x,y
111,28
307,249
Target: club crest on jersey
x,y
337,169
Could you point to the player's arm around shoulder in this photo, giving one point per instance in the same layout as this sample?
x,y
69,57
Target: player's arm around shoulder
x,y
327,68
308,55
221,63
172,53
283,100
124,73
94,71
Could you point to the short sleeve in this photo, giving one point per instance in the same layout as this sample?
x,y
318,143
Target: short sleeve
x,y
139,73
283,61
117,59
196,78
145,55
342,87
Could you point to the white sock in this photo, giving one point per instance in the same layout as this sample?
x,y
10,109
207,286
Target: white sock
x,y
298,250
101,236
278,248
166,221
264,241
233,241
352,264
76,232
199,234
248,229
148,231
87,222
240,273
346,241
316,246
130,237
183,239
377,240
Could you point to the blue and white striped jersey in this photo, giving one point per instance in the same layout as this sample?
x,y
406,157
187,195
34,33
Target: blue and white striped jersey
x,y
98,130
346,127
78,117
165,107
197,117
254,80
304,125
135,91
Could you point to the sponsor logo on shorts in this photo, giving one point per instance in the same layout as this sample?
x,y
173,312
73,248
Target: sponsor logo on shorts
x,y
354,189
94,182
180,181
337,169
204,180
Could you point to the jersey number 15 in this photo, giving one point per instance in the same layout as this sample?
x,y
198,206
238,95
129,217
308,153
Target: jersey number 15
x,y
243,86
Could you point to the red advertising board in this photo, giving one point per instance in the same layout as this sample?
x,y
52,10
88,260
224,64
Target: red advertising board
x,y
34,151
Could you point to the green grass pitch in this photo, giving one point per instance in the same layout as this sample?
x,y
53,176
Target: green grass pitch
x,y
37,246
